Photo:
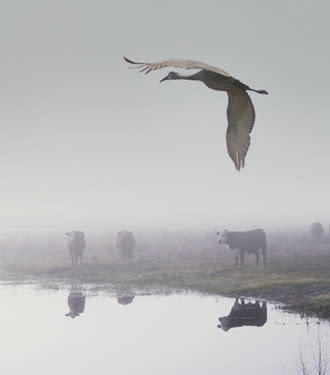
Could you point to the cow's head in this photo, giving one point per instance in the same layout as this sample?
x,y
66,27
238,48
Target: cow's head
x,y
72,314
69,236
222,237
224,323
122,233
75,234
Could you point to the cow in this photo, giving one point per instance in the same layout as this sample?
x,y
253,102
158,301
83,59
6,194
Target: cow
x,y
244,314
125,300
76,245
245,242
125,243
76,302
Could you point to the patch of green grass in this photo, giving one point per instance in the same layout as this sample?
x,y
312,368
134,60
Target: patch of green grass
x,y
319,306
303,291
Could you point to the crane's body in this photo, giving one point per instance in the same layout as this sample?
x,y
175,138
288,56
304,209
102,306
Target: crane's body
x,y
240,110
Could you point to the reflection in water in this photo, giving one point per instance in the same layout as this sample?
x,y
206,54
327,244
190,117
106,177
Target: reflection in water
x,y
125,300
244,314
76,302
314,356
125,296
161,335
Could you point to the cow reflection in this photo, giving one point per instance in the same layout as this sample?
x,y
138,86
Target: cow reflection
x,y
244,314
125,300
76,302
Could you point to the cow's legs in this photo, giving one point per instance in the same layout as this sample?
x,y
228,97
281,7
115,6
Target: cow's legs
x,y
257,257
124,253
236,305
241,256
217,257
236,253
264,256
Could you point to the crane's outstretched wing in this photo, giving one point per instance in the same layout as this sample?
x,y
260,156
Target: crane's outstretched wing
x,y
241,116
176,63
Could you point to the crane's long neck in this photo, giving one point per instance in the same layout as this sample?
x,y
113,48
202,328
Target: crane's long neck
x,y
192,77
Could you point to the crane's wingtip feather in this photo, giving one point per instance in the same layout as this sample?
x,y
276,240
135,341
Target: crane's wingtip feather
x,y
130,61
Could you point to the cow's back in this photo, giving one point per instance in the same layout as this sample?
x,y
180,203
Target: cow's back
x,y
249,240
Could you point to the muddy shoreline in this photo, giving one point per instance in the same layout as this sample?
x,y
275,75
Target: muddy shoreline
x,y
306,293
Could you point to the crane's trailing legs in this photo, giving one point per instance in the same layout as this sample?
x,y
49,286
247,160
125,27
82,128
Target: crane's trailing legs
x,y
259,91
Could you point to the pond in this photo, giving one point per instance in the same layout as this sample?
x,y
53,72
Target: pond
x,y
119,334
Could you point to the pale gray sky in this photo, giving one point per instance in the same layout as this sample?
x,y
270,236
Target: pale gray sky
x,y
86,142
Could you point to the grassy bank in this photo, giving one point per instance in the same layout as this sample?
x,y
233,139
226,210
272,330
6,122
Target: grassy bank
x,y
303,291
297,273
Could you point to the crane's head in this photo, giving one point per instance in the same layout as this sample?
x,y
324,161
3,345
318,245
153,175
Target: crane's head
x,y
171,75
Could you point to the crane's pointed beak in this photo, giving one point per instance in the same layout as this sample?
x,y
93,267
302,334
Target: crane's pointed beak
x,y
164,79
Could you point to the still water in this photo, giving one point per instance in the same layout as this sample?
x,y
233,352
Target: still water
x,y
149,334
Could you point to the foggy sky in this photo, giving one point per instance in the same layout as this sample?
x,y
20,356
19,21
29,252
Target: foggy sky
x,y
87,142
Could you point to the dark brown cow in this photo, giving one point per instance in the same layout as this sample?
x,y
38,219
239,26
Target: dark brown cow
x,y
125,242
245,242
244,314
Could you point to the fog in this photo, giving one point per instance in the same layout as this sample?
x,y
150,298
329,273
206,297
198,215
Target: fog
x,y
87,143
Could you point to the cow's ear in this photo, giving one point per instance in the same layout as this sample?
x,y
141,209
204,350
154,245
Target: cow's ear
x,y
67,233
218,233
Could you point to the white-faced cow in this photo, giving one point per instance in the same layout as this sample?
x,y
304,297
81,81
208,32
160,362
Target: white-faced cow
x,y
244,314
76,302
125,242
76,245
249,242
